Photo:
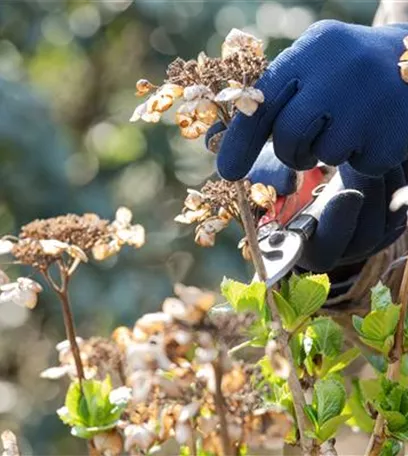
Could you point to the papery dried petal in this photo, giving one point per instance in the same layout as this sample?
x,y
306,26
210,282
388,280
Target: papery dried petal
x,y
154,322
263,195
193,200
189,411
205,355
172,90
123,216
245,250
139,436
255,94
195,130
183,119
103,251
183,433
229,94
403,70
143,87
207,111
6,246
236,40
54,373
77,253
213,225
120,396
399,199
53,246
141,383
66,345
108,443
197,91
203,238
133,236
122,337
191,216
233,380
182,311
143,112
246,105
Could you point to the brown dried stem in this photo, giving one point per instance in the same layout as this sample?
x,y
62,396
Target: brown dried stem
x,y
378,436
282,338
219,405
62,292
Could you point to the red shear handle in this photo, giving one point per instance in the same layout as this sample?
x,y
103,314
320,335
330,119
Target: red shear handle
x,y
287,207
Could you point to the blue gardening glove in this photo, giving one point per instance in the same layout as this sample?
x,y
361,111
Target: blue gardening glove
x,y
335,95
355,224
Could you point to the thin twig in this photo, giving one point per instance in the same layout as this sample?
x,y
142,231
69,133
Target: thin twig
x,y
219,405
62,292
378,436
282,337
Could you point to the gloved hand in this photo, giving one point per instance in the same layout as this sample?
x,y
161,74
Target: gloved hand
x,y
355,224
335,95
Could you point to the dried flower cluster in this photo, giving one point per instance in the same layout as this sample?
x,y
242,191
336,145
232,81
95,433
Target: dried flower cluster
x,y
174,369
67,241
210,88
216,204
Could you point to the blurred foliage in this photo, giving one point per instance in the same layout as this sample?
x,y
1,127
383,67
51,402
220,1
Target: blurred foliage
x,y
67,75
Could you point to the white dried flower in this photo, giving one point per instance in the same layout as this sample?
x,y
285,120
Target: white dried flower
x,y
197,91
246,99
141,383
23,292
6,246
54,373
120,396
139,436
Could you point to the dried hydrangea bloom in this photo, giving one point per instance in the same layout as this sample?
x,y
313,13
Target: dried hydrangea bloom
x,y
216,204
108,443
204,86
99,357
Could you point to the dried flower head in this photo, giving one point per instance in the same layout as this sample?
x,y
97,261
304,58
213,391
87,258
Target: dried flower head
x,y
216,204
212,88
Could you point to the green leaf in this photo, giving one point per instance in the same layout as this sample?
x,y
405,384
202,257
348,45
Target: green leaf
x,y
391,447
370,389
340,362
358,323
330,427
380,297
243,297
311,414
379,324
356,407
329,399
286,311
379,362
395,420
76,407
326,335
309,293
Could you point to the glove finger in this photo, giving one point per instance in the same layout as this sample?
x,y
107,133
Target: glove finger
x,y
370,225
296,129
269,170
334,231
246,135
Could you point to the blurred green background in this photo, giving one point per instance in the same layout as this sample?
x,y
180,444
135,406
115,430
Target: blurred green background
x,y
67,76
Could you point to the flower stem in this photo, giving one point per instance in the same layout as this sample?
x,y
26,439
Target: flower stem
x,y
378,436
219,406
282,336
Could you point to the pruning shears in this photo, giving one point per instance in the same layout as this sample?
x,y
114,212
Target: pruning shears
x,y
281,243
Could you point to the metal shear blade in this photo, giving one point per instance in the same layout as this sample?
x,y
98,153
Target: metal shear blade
x,y
281,255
